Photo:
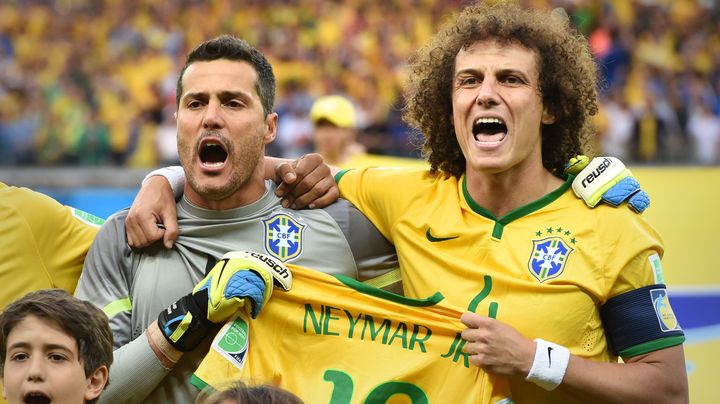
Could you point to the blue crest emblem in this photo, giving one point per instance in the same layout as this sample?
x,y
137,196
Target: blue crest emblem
x,y
548,258
283,236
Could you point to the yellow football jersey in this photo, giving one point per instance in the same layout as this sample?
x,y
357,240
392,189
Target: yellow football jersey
x,y
337,340
545,268
43,243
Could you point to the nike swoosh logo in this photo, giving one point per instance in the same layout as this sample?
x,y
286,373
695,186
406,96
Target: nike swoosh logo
x,y
550,356
434,239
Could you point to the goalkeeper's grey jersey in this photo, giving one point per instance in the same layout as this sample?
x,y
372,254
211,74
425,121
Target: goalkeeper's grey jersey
x,y
132,287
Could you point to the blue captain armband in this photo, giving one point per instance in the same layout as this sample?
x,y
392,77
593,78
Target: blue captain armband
x,y
640,321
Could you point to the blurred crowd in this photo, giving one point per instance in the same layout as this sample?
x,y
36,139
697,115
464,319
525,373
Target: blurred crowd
x,y
92,82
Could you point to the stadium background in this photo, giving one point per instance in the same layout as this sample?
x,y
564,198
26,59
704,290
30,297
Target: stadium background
x,y
87,96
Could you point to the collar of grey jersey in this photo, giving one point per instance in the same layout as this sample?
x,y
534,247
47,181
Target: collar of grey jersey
x,y
269,199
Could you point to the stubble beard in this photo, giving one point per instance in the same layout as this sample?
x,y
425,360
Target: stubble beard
x,y
244,161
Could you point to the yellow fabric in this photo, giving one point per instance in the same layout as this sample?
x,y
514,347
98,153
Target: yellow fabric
x,y
43,243
446,242
322,337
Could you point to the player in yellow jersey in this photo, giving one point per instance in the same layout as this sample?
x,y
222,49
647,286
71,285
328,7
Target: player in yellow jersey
x,y
504,97
43,243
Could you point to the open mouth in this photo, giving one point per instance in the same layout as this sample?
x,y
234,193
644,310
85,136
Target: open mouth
x,y
213,152
489,130
36,398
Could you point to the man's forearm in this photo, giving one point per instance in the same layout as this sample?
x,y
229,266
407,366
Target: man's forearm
x,y
136,370
659,377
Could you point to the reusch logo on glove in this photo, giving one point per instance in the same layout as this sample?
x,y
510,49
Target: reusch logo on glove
x,y
277,268
592,176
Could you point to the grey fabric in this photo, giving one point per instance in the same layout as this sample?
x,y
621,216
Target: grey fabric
x,y
335,240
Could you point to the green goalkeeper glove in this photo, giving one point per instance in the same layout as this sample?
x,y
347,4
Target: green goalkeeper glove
x,y
239,280
606,179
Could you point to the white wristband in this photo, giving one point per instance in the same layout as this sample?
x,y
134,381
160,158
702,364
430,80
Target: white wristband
x,y
548,368
175,176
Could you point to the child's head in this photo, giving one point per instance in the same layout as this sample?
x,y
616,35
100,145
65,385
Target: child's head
x,y
55,346
240,393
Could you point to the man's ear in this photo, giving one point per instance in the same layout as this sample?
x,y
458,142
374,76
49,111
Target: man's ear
x,y
96,383
548,118
271,122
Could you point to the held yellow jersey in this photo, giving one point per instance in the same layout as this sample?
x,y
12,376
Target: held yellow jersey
x,y
553,269
336,340
43,243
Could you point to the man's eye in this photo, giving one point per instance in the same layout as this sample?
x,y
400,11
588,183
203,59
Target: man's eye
x,y
194,104
55,357
513,80
234,104
469,81
19,357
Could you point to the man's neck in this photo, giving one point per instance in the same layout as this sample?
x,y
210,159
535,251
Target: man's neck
x,y
248,193
504,192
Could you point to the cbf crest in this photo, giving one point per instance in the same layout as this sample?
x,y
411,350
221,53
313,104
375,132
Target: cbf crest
x,y
283,236
548,258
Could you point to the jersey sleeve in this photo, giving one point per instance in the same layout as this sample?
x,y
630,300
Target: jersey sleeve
x,y
637,315
62,235
106,281
107,277
381,194
633,255
374,255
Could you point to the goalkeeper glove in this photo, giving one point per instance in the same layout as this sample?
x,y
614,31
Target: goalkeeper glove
x,y
606,179
239,280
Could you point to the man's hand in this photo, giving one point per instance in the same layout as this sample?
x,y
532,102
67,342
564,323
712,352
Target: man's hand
x,y
606,179
152,215
307,181
239,280
496,347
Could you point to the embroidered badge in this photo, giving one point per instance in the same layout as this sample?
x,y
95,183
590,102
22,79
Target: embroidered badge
x,y
548,258
232,342
283,236
656,265
664,312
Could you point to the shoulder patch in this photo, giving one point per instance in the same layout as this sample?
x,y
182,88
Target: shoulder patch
x,y
283,236
87,218
232,342
656,265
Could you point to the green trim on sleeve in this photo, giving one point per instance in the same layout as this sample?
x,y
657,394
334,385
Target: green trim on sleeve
x,y
117,306
86,217
340,174
652,346
200,383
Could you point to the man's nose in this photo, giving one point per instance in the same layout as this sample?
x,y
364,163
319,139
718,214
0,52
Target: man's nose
x,y
213,115
487,93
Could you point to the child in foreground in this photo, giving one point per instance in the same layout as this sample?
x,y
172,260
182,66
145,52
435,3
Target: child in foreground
x,y
54,348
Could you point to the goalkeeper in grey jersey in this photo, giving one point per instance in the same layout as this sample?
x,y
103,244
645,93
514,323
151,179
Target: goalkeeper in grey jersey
x,y
163,304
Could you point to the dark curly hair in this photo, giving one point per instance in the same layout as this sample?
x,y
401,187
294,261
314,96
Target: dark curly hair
x,y
568,81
